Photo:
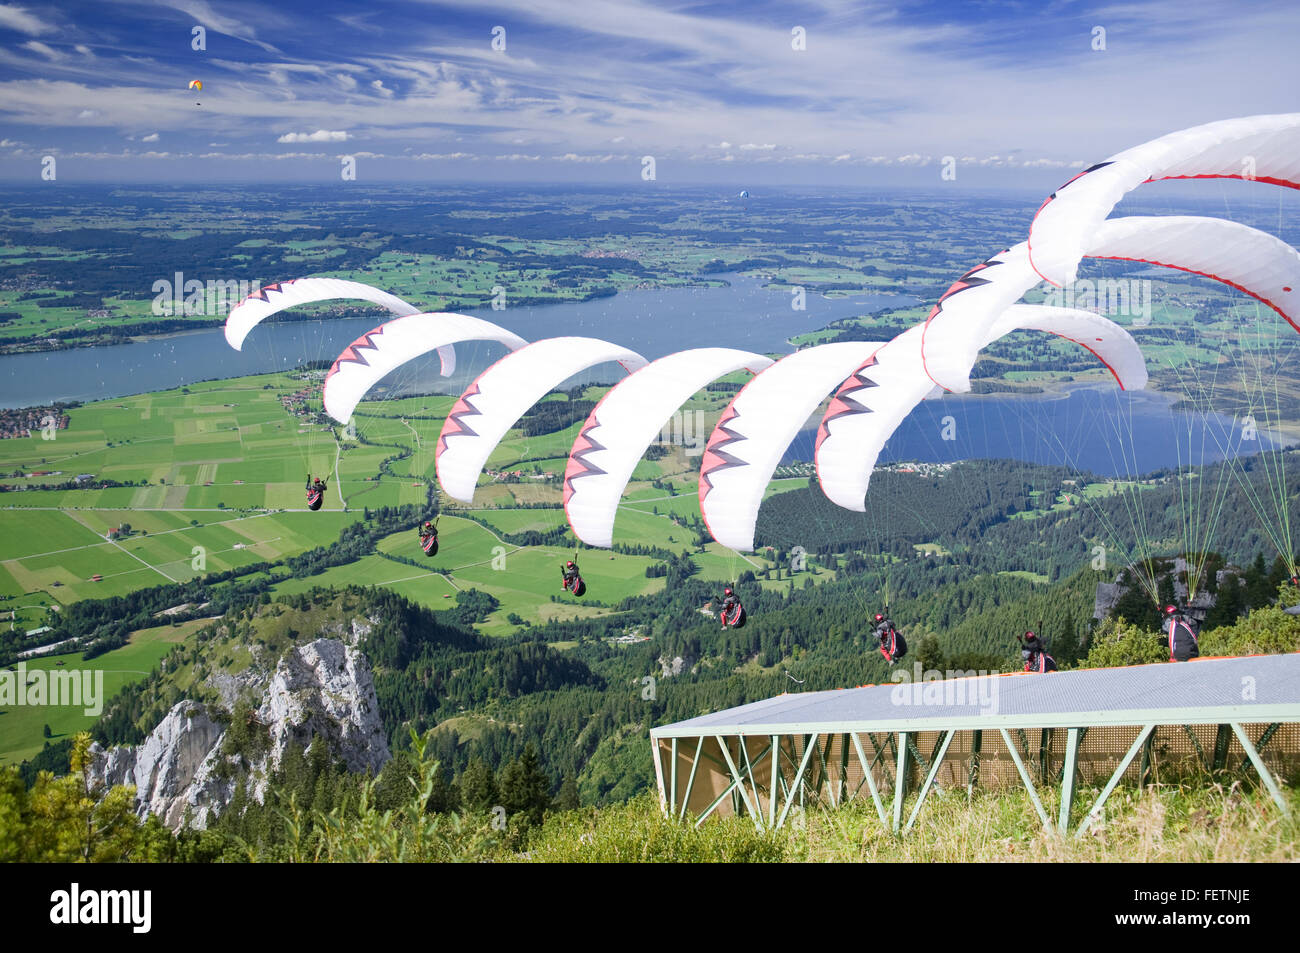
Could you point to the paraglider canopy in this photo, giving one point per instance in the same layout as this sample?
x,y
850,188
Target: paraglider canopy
x,y
744,193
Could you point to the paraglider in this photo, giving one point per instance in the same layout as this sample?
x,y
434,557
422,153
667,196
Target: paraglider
x,y
625,422
1033,650
744,193
1180,635
429,539
892,644
571,579
1254,148
378,352
731,612
315,492
274,298
197,86
755,430
500,395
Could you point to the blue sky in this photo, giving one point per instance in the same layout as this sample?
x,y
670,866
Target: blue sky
x,y
582,91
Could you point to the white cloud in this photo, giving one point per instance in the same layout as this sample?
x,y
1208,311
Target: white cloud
x,y
36,46
17,18
379,87
766,147
84,50
152,137
320,135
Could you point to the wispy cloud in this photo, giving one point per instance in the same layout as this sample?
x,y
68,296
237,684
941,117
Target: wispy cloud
x,y
23,21
320,135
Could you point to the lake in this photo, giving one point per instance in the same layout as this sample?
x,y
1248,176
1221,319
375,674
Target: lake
x,y
1089,427
1096,428
652,322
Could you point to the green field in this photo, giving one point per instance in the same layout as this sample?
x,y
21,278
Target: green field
x,y
21,726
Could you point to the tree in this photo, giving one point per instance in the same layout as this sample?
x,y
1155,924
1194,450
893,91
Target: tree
x,y
567,799
478,787
929,654
524,787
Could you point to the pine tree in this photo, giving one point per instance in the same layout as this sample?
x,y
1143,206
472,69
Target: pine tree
x,y
567,799
478,787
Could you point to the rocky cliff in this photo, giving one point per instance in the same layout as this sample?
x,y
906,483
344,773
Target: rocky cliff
x,y
323,689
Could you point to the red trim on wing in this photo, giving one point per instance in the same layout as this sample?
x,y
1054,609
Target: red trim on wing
x,y
1204,274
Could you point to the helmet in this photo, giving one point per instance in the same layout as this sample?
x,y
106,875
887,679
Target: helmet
x,y
1030,635
569,564
879,617
1171,610
427,523
727,591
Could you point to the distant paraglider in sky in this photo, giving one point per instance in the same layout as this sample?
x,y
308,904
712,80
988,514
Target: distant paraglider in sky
x,y
197,86
744,193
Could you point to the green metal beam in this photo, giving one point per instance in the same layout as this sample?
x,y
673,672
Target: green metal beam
x,y
1069,771
935,762
1265,774
672,783
1094,811
773,780
797,784
1196,744
740,785
871,782
1221,740
900,780
1024,776
690,781
973,773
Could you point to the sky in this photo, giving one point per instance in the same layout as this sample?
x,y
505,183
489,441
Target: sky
x,y
1012,94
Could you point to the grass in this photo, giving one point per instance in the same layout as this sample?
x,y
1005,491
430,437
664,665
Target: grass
x,y
21,726
1161,824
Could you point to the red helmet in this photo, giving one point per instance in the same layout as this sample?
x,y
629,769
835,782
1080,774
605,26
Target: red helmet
x,y
427,523
1030,635
879,617
1170,610
569,564
727,591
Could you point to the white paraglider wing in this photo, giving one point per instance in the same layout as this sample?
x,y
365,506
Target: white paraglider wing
x,y
959,323
758,426
1252,261
366,361
625,422
880,394
501,395
271,299
1258,148
1237,255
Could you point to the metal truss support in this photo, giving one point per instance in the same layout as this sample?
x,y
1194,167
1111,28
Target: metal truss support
x,y
690,781
1095,811
935,762
900,780
871,781
973,775
796,786
739,784
672,781
1265,774
1024,776
1221,742
1068,773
